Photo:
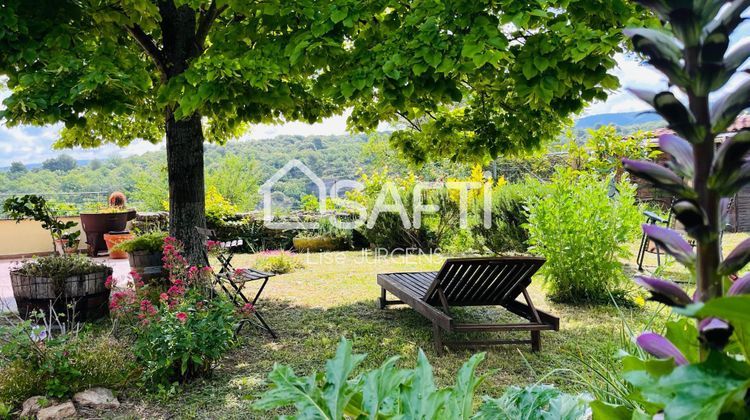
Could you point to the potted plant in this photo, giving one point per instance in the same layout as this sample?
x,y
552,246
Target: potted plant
x,y
145,253
102,220
64,239
68,284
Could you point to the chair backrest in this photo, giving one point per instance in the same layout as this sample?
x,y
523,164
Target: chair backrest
x,y
483,280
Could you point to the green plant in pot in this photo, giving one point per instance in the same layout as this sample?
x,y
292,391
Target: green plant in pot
x,y
700,366
145,253
64,239
100,219
68,284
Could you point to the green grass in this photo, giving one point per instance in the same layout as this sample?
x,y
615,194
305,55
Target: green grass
x,y
335,295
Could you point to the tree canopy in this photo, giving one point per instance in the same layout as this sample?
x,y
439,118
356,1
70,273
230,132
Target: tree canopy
x,y
467,77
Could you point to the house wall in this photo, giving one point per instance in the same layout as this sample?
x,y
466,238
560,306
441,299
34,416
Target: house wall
x,y
27,238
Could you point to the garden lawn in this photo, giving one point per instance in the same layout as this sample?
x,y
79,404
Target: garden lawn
x,y
335,295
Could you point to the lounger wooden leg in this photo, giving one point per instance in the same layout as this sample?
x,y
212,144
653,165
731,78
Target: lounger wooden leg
x,y
437,335
536,341
382,298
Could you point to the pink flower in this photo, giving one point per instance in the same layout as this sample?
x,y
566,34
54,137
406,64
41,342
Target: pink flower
x,y
163,296
181,316
247,309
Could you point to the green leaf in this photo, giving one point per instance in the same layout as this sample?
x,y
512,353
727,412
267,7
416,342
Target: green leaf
x,y
338,15
684,335
605,411
733,309
338,391
700,391
381,384
529,71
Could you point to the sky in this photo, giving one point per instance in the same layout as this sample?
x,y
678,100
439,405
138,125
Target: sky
x,y
34,144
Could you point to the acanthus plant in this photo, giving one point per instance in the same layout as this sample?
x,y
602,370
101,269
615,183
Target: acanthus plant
x,y
702,369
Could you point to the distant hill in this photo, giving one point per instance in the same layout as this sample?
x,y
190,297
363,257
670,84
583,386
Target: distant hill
x,y
619,119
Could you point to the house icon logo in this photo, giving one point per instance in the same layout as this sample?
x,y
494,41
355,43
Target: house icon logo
x,y
267,190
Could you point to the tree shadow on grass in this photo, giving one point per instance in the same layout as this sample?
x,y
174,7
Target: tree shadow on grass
x,y
308,336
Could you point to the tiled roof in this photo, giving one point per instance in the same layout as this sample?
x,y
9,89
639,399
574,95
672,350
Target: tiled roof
x,y
743,121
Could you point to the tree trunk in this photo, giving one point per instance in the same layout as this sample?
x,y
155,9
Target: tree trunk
x,y
184,137
186,183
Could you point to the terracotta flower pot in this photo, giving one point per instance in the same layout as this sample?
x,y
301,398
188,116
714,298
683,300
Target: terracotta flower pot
x,y
112,239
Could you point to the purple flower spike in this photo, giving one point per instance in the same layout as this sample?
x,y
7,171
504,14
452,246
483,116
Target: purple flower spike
x,y
671,242
660,347
656,174
664,291
714,332
740,286
736,259
681,151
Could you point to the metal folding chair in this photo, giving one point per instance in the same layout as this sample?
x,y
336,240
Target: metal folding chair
x,y
232,280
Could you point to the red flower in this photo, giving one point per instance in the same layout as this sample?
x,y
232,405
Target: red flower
x,y
163,296
247,309
108,282
181,316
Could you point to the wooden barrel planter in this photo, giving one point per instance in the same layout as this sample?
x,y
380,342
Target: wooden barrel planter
x,y
147,264
87,294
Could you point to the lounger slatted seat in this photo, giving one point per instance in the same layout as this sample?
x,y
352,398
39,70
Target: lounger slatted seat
x,y
484,281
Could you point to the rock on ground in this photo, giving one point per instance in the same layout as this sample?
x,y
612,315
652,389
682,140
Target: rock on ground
x,y
98,398
55,412
32,405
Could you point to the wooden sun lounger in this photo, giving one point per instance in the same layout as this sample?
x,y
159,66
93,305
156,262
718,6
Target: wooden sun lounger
x,y
485,281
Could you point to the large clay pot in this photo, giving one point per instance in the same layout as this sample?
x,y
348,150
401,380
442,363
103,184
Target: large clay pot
x,y
84,296
95,225
315,244
112,239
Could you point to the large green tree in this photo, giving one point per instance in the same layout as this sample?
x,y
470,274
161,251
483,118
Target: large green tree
x,y
466,77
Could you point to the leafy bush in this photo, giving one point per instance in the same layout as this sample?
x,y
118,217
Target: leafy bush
x,y
35,360
186,331
60,266
151,242
582,233
386,392
534,402
508,232
279,262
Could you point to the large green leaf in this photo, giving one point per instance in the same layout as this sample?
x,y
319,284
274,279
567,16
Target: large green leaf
x,y
460,404
381,385
701,391
337,390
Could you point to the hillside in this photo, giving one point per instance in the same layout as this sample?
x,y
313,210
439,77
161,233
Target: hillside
x,y
621,119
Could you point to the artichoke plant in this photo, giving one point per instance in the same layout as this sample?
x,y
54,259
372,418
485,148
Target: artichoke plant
x,y
701,367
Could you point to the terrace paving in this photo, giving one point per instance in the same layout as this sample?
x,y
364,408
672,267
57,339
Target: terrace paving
x,y
121,269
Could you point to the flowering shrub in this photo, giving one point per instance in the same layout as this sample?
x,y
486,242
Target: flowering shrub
x,y
183,331
279,262
699,368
